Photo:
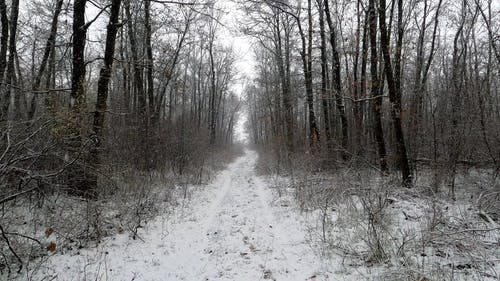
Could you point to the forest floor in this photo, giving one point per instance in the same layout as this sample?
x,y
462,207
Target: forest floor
x,y
232,229
248,227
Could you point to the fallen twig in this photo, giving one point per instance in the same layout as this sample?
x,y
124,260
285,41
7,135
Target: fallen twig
x,y
12,250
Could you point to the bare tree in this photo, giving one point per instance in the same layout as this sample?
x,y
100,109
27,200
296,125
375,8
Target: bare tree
x,y
393,82
49,48
336,78
102,89
377,105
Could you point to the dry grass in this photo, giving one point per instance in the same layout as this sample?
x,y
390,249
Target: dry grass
x,y
371,222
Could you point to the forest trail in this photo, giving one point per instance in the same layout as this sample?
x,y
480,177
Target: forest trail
x,y
230,230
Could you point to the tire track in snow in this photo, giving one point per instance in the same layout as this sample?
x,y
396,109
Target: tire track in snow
x,y
247,240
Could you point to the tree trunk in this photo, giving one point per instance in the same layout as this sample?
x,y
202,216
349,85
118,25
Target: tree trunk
x,y
149,54
213,93
325,97
356,85
362,84
283,65
393,83
4,45
337,84
11,75
141,106
306,55
4,40
377,102
102,89
78,175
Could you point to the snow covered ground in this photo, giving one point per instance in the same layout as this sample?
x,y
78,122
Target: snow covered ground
x,y
231,229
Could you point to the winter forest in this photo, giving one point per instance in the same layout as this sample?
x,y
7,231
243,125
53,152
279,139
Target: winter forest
x,y
250,140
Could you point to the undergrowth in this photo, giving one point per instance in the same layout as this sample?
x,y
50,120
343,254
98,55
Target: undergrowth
x,y
370,225
49,221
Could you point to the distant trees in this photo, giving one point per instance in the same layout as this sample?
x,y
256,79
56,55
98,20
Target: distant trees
x,y
393,85
398,84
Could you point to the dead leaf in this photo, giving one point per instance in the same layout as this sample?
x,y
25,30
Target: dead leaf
x,y
52,247
49,232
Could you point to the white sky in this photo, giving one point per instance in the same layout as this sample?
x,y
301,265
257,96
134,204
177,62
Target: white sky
x,y
230,34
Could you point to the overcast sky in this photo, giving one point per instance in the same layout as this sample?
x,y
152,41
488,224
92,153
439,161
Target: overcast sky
x,y
245,57
231,35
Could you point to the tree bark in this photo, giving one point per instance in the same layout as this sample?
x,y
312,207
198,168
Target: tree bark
x,y
283,66
213,93
4,45
149,54
377,102
102,89
4,40
11,75
141,106
337,83
393,82
325,97
361,106
77,174
306,55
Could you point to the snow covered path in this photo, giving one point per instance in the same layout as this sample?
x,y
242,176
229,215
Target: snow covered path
x,y
229,231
